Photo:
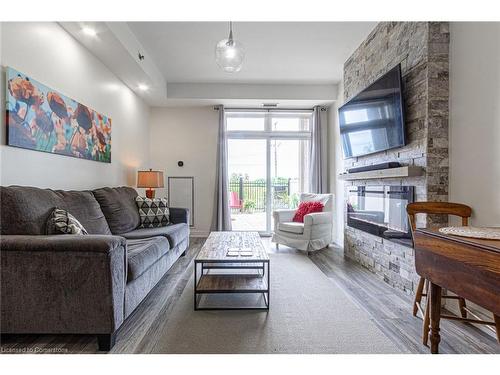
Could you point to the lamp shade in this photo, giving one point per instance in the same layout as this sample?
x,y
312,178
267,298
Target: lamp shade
x,y
150,179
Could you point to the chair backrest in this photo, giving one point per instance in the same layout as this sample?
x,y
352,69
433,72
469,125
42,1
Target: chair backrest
x,y
445,208
326,199
234,199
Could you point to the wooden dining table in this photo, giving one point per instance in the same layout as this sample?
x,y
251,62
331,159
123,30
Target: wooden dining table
x,y
468,267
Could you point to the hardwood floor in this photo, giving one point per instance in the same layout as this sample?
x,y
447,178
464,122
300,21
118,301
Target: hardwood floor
x,y
389,309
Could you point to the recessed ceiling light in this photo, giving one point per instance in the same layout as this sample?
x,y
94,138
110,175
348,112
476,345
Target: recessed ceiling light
x,y
143,87
89,31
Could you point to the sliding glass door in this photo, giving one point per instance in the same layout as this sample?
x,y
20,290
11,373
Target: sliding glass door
x,y
268,164
247,166
289,172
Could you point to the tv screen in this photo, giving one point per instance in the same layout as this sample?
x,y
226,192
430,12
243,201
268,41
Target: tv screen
x,y
373,120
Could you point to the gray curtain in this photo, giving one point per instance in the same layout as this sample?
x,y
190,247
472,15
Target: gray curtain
x,y
222,215
318,175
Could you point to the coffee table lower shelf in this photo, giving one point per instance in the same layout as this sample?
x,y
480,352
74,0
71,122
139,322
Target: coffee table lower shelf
x,y
228,283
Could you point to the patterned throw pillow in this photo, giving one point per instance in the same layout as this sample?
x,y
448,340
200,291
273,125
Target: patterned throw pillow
x,y
61,221
307,208
154,212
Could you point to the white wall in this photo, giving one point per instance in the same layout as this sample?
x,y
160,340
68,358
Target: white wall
x,y
335,167
194,132
475,119
475,124
188,134
47,53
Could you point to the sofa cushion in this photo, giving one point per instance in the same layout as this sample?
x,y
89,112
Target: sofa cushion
x,y
292,227
175,233
143,253
25,210
119,207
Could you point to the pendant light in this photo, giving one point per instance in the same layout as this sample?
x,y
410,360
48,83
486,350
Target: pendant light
x,y
229,53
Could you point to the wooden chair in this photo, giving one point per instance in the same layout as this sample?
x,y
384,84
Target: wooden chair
x,y
445,208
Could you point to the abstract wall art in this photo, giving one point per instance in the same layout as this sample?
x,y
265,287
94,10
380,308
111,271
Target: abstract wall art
x,y
42,119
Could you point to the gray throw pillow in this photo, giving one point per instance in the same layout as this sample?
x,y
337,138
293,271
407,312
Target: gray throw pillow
x,y
153,212
62,222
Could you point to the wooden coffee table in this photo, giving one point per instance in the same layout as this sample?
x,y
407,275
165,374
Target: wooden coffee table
x,y
215,272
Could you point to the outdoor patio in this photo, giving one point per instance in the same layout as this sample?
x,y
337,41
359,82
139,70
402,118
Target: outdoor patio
x,y
249,221
248,201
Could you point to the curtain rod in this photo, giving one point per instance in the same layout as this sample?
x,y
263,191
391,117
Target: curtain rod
x,y
271,109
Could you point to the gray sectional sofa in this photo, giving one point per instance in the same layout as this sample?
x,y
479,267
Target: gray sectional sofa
x,y
80,284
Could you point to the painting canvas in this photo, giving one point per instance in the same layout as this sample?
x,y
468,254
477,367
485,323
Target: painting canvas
x,y
39,118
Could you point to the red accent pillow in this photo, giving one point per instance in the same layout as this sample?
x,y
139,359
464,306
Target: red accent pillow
x,y
307,208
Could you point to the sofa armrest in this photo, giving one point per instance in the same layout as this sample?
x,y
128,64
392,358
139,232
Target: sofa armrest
x,y
62,283
317,218
61,242
179,215
283,216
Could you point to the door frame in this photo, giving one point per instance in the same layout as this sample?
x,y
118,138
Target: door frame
x,y
269,135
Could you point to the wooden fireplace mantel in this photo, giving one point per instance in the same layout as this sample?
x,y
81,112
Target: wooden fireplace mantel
x,y
406,171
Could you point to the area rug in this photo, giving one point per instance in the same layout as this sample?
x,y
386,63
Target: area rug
x,y
308,314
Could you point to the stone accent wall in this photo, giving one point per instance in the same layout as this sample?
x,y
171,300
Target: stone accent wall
x,y
422,50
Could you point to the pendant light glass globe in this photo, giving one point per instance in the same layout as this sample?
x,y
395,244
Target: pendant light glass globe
x,y
229,53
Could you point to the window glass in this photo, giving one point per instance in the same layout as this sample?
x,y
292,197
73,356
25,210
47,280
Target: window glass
x,y
248,123
288,124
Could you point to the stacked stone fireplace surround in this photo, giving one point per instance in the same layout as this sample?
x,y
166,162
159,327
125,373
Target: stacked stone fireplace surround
x,y
422,50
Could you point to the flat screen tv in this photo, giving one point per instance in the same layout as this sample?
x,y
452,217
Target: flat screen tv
x,y
373,120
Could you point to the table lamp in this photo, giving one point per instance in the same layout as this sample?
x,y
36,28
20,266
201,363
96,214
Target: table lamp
x,y
150,180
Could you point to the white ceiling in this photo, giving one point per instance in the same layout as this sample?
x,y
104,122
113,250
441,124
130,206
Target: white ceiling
x,y
276,52
288,63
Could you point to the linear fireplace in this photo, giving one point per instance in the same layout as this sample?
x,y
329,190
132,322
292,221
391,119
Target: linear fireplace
x,y
381,210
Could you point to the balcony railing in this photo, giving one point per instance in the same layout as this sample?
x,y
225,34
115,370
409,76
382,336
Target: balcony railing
x,y
250,196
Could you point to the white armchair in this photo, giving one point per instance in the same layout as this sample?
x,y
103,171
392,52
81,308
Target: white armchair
x,y
316,231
